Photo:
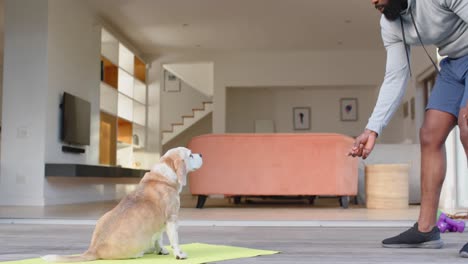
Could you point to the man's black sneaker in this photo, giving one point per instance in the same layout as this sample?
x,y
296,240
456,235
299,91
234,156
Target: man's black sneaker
x,y
464,251
413,238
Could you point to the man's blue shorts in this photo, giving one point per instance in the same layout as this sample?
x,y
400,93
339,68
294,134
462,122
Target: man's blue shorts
x,y
451,88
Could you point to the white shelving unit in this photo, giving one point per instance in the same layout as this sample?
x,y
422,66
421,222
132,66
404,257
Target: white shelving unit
x,y
109,47
123,95
126,83
108,99
125,107
126,59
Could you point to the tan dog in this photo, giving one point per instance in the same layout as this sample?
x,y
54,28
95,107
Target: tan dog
x,y
136,224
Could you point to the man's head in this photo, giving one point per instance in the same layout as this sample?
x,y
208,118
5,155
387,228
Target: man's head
x,y
391,9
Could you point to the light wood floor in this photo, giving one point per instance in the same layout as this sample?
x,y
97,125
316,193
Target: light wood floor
x,y
324,209
298,245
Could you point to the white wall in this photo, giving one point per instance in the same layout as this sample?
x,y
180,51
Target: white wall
x,y
154,80
73,61
292,69
67,190
198,75
1,88
176,104
286,69
356,68
245,105
25,87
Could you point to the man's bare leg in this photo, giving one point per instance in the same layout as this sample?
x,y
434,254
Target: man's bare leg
x,y
436,127
463,125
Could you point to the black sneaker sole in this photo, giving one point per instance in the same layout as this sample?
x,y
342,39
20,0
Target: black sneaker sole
x,y
464,254
434,244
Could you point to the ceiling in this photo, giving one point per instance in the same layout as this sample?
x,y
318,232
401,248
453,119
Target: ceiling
x,y
163,26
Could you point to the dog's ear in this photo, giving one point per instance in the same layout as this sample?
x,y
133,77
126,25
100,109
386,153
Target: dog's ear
x,y
181,171
177,164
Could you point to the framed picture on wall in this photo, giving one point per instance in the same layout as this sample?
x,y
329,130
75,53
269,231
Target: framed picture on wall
x,y
349,109
171,82
301,118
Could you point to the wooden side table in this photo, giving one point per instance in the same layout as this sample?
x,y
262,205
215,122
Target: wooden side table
x,y
387,186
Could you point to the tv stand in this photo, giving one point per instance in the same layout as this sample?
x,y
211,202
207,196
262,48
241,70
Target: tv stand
x,y
73,149
72,183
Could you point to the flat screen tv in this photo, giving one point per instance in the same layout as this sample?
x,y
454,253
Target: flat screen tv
x,y
76,119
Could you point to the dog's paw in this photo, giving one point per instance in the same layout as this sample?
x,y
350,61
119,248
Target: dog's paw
x,y
163,251
150,250
49,258
181,255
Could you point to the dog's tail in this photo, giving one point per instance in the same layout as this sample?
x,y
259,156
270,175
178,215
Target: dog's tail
x,y
87,256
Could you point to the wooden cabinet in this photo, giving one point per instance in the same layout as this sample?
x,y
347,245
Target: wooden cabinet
x,y
107,139
140,70
124,132
109,72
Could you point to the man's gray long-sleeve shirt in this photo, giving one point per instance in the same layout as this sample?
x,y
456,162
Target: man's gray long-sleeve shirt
x,y
443,23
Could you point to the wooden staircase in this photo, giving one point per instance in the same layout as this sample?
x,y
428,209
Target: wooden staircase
x,y
187,121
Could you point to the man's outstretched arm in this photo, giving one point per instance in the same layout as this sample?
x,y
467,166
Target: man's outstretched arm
x,y
391,93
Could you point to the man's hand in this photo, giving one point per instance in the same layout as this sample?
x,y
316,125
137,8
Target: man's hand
x,y
364,144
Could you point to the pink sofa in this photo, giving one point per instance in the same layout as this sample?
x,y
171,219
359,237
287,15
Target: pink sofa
x,y
274,165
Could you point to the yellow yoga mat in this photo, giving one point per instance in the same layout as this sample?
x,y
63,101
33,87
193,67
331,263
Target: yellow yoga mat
x,y
197,253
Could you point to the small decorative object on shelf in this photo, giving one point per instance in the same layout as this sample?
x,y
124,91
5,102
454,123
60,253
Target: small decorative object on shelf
x,y
136,140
